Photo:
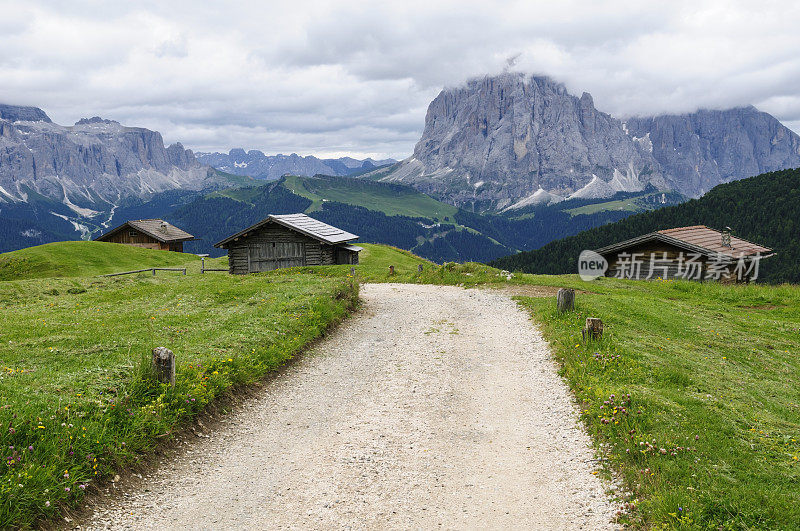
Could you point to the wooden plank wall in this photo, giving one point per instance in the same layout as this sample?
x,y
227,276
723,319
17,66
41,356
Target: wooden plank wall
x,y
661,269
238,252
139,239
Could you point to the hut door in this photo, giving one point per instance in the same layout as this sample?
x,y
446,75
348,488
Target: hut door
x,y
273,255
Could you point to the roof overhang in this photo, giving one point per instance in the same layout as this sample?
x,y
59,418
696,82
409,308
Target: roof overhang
x,y
354,248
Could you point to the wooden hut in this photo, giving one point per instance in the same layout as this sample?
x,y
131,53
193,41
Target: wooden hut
x,y
148,233
694,253
289,240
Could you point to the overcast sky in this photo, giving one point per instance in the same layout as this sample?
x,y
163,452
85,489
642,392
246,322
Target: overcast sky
x,y
348,77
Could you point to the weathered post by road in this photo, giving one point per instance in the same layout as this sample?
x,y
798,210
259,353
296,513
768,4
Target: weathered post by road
x,y
352,271
593,329
164,365
391,270
419,268
565,300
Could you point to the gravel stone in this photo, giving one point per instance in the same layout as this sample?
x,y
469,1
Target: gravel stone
x,y
432,407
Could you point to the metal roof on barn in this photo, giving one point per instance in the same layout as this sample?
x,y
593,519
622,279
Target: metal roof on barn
x,y
302,224
696,238
155,228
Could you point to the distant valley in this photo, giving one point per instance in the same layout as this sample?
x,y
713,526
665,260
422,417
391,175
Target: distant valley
x,y
387,213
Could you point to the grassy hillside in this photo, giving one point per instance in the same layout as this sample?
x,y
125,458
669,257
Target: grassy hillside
x,y
690,396
391,214
630,202
763,209
392,200
81,258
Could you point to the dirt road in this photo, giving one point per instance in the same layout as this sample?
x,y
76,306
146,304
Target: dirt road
x,y
434,407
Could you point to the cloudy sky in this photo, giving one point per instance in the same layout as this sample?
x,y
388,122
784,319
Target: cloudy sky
x,y
351,77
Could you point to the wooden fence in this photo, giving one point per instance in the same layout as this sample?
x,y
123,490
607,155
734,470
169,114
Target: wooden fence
x,y
153,269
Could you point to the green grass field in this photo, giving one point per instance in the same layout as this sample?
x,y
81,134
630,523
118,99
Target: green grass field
x,y
627,205
707,439
392,202
631,204
74,405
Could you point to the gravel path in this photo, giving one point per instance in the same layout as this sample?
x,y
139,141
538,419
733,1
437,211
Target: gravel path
x,y
433,407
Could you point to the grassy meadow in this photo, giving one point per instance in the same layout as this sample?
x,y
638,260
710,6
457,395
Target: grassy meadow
x,y
691,397
81,258
74,405
390,201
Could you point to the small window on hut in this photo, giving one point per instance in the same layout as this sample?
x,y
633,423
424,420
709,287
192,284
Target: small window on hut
x,y
273,245
132,233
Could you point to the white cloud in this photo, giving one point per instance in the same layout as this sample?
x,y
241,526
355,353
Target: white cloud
x,y
355,77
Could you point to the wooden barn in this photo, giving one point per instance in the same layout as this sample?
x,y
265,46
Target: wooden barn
x,y
694,253
148,233
289,240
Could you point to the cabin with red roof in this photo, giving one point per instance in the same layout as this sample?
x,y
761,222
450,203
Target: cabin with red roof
x,y
692,253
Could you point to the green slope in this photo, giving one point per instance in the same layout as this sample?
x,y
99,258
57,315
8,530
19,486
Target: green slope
x,y
80,259
392,200
635,203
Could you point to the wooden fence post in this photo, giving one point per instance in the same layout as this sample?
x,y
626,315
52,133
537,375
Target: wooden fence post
x,y
154,271
164,365
565,300
419,268
353,271
391,270
593,329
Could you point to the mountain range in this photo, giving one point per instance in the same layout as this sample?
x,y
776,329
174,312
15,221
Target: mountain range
x,y
66,182
507,148
509,141
93,162
256,164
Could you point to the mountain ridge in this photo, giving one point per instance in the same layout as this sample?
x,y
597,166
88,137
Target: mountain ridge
x,y
254,163
94,161
497,140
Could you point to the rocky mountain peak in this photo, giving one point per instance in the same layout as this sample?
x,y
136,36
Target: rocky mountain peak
x,y
96,120
15,113
499,139
496,141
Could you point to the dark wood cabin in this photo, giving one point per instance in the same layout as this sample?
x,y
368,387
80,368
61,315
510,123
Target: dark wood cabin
x,y
148,233
289,240
694,253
